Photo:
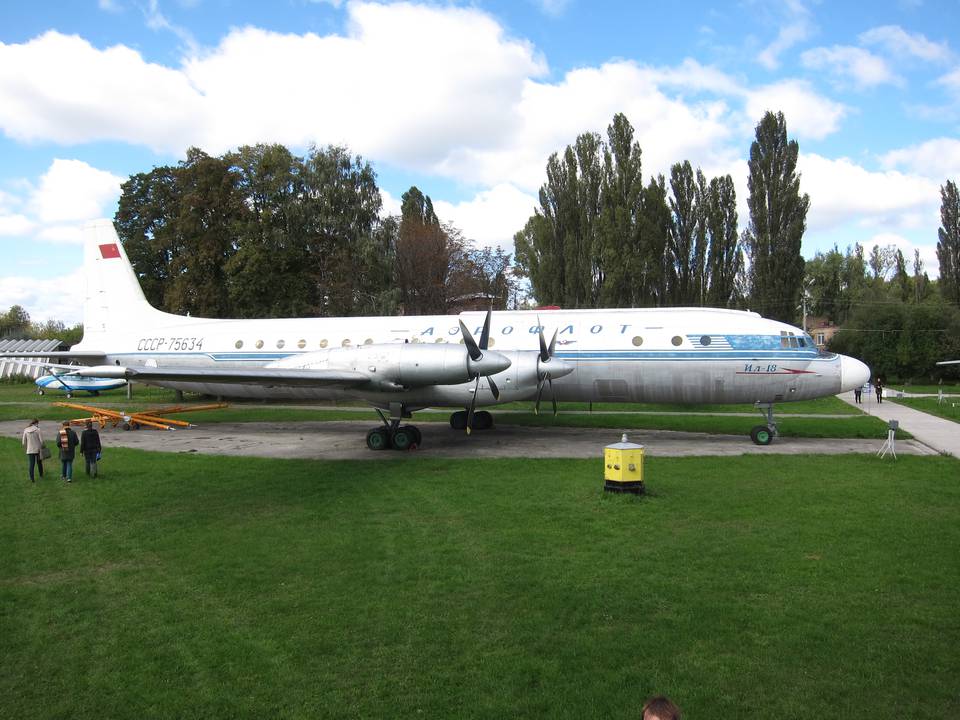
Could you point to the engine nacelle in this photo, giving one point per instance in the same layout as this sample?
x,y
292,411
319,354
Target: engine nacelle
x,y
397,366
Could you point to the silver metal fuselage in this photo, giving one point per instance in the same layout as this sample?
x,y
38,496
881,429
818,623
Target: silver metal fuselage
x,y
682,355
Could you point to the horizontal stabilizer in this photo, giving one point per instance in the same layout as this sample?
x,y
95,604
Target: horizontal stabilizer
x,y
88,356
269,377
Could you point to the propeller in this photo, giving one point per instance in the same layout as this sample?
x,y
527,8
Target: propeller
x,y
548,368
478,365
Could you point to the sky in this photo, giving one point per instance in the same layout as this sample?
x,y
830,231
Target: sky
x,y
467,101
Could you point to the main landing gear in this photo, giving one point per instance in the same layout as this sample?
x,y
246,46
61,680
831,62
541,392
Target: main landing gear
x,y
764,434
392,434
482,420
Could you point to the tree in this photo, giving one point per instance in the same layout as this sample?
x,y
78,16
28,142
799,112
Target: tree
x,y
725,260
778,215
948,248
683,207
146,222
920,279
260,233
208,216
16,322
424,254
622,250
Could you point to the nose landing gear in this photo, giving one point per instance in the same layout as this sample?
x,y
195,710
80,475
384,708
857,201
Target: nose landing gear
x,y
764,434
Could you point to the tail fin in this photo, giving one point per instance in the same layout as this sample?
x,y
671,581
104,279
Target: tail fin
x,y
113,300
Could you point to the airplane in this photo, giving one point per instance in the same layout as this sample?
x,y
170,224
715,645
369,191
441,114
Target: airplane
x,y
402,364
55,380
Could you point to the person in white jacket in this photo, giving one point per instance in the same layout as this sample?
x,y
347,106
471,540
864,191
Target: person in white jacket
x,y
33,442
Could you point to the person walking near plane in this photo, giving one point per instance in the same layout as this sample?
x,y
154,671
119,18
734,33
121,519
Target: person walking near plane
x,y
32,441
90,448
660,708
67,442
878,386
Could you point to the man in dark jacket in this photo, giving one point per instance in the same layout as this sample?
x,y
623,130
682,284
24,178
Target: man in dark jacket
x,y
67,442
90,448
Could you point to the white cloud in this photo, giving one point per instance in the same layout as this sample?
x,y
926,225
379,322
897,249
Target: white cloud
x,y
554,8
16,225
951,81
432,79
492,217
75,93
808,113
843,192
72,191
845,63
795,29
46,298
899,42
937,159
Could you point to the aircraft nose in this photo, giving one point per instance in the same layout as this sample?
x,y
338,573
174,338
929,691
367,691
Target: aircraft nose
x,y
853,373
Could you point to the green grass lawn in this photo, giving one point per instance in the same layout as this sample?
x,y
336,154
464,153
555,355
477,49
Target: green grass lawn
x,y
751,587
949,408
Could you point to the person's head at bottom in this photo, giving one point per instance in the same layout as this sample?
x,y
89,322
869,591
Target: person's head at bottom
x,y
660,708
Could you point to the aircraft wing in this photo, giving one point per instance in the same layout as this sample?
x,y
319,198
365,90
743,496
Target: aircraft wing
x,y
269,377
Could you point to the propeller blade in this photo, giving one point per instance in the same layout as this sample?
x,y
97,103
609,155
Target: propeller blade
x,y
493,387
475,353
553,397
473,404
485,335
536,405
544,356
553,343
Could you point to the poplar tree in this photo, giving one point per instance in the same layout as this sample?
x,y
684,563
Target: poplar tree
x,y
948,248
778,214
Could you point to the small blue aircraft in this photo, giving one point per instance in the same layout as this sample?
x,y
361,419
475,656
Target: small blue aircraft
x,y
75,383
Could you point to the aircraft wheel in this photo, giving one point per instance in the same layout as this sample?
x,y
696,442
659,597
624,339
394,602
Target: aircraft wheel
x,y
404,437
418,436
482,420
126,426
458,420
40,391
761,435
69,395
377,439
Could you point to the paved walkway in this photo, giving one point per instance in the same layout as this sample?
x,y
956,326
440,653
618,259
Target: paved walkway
x,y
345,440
937,433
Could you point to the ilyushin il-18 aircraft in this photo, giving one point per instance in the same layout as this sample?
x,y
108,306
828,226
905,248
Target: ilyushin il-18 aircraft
x,y
402,364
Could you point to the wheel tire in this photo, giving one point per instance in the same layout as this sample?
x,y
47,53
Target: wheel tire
x,y
403,438
69,395
40,391
377,439
458,420
761,435
482,420
417,436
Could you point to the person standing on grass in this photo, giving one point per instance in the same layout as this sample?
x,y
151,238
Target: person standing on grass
x,y
90,448
67,442
660,708
32,441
